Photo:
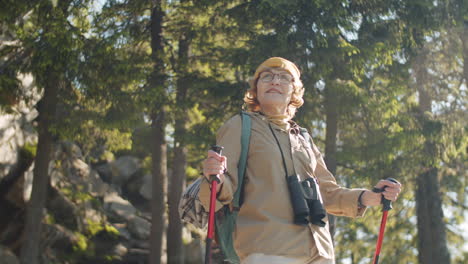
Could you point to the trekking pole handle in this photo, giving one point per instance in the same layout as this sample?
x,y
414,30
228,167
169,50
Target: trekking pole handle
x,y
387,204
219,150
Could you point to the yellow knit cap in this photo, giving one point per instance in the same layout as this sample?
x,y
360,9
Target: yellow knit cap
x,y
278,62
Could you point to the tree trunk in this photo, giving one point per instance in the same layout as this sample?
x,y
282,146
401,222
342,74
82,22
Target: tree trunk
x,y
432,243
331,113
159,162
175,254
34,214
464,39
159,148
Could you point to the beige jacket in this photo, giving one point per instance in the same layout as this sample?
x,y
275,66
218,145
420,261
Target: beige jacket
x,y
265,221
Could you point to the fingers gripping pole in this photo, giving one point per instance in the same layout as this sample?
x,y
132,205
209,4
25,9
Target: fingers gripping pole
x,y
387,206
214,180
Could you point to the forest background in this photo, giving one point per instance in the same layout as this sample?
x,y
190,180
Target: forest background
x,y
385,96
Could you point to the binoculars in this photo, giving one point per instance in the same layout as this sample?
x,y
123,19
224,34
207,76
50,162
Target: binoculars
x,y
306,202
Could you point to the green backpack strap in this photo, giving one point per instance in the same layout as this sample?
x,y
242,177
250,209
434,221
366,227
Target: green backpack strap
x,y
226,218
242,165
307,137
305,134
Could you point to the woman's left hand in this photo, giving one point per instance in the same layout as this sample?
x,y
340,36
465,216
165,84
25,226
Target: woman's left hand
x,y
391,192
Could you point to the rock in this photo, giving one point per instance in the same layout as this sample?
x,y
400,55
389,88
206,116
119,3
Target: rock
x,y
127,165
73,172
131,190
16,125
27,184
194,252
139,227
137,255
59,237
95,185
105,245
120,250
132,186
146,187
7,257
143,244
119,171
9,143
63,210
9,232
57,177
71,150
90,214
123,231
118,207
79,168
104,170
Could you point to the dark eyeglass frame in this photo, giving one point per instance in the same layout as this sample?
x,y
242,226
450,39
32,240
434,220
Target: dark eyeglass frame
x,y
266,79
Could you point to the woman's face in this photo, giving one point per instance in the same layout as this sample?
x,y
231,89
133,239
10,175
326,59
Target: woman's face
x,y
274,88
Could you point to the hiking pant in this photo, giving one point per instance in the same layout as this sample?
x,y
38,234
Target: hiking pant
x,y
262,259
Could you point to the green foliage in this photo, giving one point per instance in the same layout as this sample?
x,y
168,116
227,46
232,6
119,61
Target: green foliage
x,y
93,228
49,219
76,194
85,245
9,88
28,151
81,245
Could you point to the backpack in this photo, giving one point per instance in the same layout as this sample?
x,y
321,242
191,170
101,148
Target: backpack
x,y
226,218
191,210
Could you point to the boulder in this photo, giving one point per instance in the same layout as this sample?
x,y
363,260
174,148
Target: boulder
x,y
16,128
139,227
7,257
63,210
73,171
90,214
95,185
146,187
195,252
71,150
14,135
59,238
119,171
131,188
78,168
123,230
120,250
27,183
118,207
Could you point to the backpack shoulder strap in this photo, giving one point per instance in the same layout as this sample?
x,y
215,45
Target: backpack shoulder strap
x,y
226,218
242,165
306,135
308,139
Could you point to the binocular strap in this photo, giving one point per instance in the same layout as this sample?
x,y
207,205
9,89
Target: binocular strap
x,y
281,151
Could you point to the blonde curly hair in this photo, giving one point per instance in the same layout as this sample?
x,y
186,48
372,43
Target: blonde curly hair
x,y
250,97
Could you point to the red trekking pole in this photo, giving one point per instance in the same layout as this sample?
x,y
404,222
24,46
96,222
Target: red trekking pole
x,y
387,206
214,180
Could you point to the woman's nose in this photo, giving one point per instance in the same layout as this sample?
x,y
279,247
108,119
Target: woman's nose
x,y
276,79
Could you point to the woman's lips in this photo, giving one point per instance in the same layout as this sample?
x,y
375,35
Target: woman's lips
x,y
274,90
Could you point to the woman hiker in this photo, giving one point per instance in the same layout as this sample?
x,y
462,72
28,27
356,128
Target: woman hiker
x,y
269,227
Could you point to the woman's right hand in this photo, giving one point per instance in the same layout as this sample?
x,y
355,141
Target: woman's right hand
x,y
214,164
